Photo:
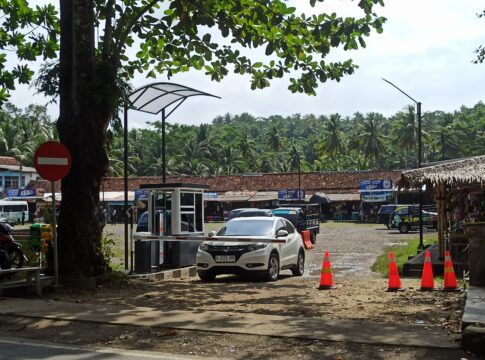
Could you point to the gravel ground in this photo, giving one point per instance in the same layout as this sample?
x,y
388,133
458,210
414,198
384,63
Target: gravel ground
x,y
359,294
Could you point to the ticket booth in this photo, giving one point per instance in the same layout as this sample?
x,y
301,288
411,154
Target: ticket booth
x,y
176,209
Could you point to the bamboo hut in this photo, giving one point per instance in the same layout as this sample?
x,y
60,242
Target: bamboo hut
x,y
452,182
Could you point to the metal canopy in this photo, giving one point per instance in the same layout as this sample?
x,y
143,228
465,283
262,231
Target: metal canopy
x,y
153,99
156,97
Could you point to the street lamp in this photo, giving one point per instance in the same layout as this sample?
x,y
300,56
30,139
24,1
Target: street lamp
x,y
418,110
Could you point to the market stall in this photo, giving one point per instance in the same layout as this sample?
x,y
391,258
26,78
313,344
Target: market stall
x,y
458,188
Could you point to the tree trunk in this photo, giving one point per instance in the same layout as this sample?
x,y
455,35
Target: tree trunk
x,y
81,125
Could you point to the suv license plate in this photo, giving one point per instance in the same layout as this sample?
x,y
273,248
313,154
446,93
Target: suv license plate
x,y
225,258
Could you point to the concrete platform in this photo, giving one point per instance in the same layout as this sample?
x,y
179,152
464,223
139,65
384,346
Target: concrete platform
x,y
167,274
237,323
473,321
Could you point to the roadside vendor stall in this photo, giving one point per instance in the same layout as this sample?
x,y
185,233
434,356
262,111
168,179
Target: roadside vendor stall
x,y
458,187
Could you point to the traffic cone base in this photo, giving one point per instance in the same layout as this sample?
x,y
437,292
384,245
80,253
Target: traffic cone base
x,y
326,281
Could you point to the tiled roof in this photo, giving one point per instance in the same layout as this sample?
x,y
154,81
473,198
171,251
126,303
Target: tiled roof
x,y
326,182
7,160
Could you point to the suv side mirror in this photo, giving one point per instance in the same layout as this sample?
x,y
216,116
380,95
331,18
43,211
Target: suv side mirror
x,y
212,233
281,233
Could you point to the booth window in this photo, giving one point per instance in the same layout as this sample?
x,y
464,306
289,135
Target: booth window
x,y
162,205
190,211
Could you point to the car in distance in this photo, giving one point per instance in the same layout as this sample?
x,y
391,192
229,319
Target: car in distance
x,y
385,212
234,212
303,217
261,259
406,218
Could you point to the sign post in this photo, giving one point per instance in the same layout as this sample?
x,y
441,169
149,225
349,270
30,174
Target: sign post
x,y
52,161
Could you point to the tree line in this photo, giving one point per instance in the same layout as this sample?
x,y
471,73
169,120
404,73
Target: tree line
x,y
234,144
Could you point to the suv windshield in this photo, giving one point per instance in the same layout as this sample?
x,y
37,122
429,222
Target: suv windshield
x,y
248,227
387,209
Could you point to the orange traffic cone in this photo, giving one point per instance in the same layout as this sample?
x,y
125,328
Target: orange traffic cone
x,y
449,283
326,281
305,236
427,281
394,280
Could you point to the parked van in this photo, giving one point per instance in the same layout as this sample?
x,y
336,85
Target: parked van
x,y
12,211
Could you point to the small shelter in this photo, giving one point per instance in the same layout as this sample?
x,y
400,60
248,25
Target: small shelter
x,y
459,191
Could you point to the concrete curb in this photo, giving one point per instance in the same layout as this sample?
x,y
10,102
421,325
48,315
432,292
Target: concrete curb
x,y
168,274
473,321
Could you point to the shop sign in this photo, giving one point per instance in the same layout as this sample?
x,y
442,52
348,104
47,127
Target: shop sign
x,y
377,197
21,192
211,195
141,194
291,194
375,185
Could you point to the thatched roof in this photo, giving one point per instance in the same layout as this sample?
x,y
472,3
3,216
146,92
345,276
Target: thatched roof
x,y
460,172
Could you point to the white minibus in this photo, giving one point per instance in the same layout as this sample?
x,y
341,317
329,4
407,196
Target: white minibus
x,y
12,211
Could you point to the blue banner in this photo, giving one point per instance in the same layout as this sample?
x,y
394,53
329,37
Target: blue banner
x,y
141,194
21,192
291,194
375,185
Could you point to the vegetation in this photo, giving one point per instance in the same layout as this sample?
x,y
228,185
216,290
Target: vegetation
x,y
402,252
234,144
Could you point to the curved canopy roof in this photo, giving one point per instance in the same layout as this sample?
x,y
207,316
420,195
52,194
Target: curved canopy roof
x,y
155,97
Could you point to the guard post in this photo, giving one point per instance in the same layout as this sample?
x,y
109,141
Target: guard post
x,y
175,209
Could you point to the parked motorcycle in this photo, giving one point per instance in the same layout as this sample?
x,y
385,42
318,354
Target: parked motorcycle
x,y
11,254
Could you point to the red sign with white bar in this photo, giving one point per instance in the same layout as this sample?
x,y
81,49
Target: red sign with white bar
x,y
52,160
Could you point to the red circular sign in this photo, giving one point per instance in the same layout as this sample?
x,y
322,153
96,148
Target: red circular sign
x,y
52,160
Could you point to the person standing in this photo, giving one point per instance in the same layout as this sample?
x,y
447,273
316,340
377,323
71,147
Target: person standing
x,y
23,217
113,217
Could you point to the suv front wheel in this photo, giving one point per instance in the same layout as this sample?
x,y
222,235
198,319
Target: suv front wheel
x,y
273,268
299,268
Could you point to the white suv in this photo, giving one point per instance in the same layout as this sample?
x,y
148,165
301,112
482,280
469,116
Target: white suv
x,y
266,259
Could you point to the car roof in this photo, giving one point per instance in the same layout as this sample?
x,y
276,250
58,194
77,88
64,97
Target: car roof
x,y
256,218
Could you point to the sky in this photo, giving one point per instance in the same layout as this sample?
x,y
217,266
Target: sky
x,y
426,49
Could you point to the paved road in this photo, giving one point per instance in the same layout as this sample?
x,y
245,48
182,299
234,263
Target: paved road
x,y
20,349
353,248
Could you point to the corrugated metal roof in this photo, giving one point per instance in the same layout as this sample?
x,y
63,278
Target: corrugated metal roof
x,y
236,196
265,196
343,197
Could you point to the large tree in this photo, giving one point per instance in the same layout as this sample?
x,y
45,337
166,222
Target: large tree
x,y
174,36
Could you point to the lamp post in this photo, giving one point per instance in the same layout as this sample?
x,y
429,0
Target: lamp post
x,y
418,111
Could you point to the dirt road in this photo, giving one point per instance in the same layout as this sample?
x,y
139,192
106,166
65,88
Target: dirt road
x,y
359,294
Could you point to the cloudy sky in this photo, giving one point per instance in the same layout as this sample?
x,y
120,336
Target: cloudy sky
x,y
426,50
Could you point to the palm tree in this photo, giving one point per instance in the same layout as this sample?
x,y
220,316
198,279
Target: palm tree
x,y
334,141
371,138
275,142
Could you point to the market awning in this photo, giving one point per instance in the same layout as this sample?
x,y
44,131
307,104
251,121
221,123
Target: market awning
x,y
265,196
320,198
343,197
237,196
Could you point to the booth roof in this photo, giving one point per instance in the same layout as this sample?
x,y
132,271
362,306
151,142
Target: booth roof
x,y
453,172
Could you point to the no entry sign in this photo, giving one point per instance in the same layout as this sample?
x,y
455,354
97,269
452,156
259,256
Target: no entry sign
x,y
52,160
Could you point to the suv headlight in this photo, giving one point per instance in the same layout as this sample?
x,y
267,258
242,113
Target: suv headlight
x,y
254,247
203,247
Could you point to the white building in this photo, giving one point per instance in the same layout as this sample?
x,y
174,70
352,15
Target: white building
x,y
13,175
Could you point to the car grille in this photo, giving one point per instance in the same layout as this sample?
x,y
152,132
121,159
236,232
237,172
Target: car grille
x,y
236,250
